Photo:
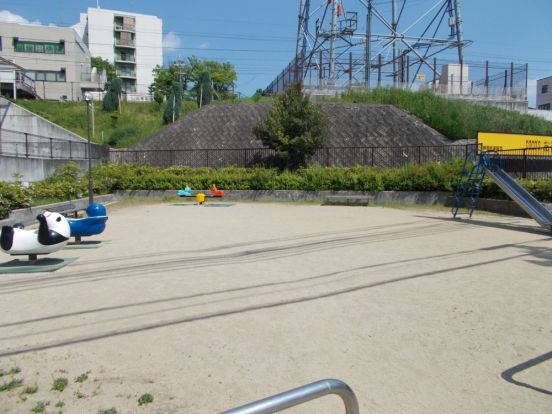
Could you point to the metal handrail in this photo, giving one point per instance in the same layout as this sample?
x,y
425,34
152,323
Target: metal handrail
x,y
301,395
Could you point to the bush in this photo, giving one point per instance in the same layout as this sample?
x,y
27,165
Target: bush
x,y
66,183
12,196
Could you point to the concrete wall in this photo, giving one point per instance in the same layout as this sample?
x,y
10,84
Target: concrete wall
x,y
547,115
16,118
149,50
33,169
100,33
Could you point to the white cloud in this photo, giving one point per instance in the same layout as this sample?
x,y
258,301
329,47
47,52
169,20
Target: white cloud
x,y
171,41
204,45
532,92
8,17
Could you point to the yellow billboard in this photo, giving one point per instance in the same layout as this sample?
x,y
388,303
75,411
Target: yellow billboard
x,y
503,141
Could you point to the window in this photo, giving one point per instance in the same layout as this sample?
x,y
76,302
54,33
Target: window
x,y
39,47
0,43
544,89
545,107
47,76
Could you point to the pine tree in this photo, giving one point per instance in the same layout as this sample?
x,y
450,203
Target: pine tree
x,y
295,128
173,104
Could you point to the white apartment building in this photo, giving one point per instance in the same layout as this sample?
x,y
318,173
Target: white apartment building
x,y
544,93
45,62
133,42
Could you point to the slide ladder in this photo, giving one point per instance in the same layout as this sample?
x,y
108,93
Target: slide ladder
x,y
469,185
517,192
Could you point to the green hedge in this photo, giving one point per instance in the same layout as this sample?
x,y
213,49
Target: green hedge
x,y
69,183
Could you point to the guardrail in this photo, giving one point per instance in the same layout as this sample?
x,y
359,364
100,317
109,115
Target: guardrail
x,y
301,395
26,145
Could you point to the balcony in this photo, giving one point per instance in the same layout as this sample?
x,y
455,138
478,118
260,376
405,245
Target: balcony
x,y
125,43
125,58
98,78
119,27
131,74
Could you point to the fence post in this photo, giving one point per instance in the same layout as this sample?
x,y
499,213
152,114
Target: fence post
x,y
244,157
419,154
372,163
51,150
327,157
26,145
524,173
207,151
70,151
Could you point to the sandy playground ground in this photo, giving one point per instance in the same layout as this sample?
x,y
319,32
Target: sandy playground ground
x,y
210,308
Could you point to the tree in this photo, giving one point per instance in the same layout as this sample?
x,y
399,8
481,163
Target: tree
x,y
101,64
204,89
163,80
295,128
223,77
112,98
174,104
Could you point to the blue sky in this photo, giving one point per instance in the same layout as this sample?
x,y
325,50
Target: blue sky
x,y
258,36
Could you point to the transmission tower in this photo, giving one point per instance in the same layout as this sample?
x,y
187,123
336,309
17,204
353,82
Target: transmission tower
x,y
395,43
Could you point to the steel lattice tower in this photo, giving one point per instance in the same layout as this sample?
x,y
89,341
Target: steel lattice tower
x,y
394,46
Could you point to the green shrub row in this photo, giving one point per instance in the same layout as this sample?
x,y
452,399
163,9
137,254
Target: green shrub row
x,y
69,183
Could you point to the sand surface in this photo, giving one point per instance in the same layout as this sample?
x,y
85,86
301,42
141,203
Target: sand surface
x,y
210,308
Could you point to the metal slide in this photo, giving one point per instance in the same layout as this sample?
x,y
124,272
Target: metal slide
x,y
521,196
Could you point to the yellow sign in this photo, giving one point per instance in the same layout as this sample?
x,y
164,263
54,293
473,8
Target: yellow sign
x,y
421,77
502,141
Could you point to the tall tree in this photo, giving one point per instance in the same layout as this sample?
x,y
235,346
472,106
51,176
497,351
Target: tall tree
x,y
204,89
112,99
295,128
173,105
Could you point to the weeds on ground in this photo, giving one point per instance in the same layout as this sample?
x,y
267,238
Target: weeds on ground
x,y
12,371
14,383
145,399
112,410
30,389
59,384
82,377
40,407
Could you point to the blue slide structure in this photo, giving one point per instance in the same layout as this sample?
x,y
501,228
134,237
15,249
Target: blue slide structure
x,y
470,187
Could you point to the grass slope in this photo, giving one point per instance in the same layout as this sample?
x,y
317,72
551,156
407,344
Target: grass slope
x,y
136,121
455,119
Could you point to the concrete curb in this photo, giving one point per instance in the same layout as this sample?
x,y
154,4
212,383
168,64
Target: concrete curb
x,y
28,215
507,207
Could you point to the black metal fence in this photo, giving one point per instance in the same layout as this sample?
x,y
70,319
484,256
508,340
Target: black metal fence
x,y
26,145
529,163
250,157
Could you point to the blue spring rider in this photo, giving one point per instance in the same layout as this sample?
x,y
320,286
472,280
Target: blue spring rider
x,y
91,225
186,192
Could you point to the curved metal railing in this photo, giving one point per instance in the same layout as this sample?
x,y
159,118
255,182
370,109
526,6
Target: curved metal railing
x,y
301,395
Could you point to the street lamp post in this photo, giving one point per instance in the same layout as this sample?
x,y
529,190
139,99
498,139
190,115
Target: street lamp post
x,y
88,99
